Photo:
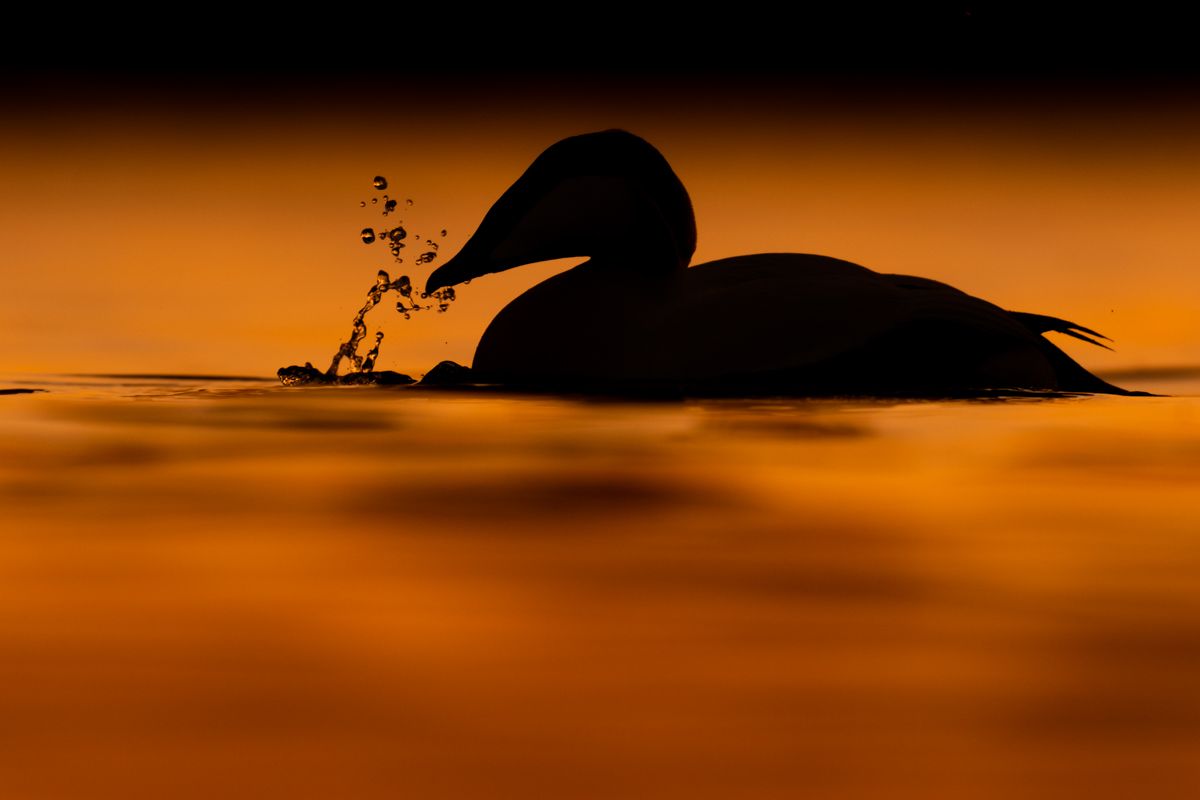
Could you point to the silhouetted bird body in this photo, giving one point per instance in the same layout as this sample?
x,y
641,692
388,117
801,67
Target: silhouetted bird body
x,y
636,316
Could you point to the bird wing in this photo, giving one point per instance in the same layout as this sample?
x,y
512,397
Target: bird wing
x,y
773,311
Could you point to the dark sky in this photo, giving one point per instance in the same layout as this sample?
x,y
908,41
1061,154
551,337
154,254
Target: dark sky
x,y
908,43
1021,57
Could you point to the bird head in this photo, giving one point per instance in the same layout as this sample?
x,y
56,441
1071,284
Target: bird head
x,y
608,195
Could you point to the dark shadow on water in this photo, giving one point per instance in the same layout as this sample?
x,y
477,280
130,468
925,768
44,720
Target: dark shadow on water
x,y
676,394
782,425
671,394
453,381
450,376
542,495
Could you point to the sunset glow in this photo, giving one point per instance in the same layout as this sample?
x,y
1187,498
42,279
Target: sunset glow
x,y
221,582
200,238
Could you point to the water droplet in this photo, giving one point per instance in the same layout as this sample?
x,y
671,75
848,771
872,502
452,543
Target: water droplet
x,y
397,233
390,205
408,202
368,361
374,200
383,279
416,236
362,203
445,297
380,182
427,257
443,232
368,235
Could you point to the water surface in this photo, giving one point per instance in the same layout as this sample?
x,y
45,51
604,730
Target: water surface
x,y
228,588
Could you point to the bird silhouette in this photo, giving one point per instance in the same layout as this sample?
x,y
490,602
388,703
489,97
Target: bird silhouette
x,y
635,315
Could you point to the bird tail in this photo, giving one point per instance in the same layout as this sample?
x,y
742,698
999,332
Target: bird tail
x,y
1072,377
1040,323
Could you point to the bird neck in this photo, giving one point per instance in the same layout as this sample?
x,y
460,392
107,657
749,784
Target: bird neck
x,y
634,272
643,249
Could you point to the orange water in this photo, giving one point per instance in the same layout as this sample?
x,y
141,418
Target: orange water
x,y
230,589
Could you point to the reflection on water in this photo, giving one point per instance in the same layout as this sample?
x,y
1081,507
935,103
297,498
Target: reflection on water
x,y
227,588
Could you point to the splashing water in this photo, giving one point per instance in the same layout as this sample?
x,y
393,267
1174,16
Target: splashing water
x,y
362,367
368,362
349,348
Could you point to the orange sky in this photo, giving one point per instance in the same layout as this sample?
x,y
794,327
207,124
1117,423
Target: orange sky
x,y
222,238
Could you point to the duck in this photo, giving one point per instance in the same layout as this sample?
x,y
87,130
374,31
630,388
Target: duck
x,y
636,315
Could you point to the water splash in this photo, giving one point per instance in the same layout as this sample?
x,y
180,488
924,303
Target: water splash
x,y
368,362
362,367
349,348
